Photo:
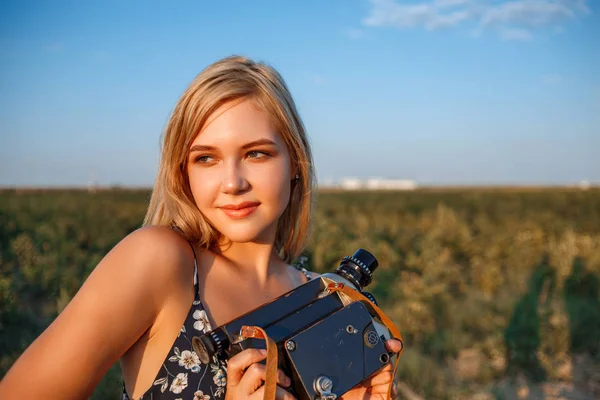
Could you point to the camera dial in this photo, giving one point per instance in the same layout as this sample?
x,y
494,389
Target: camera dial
x,y
358,268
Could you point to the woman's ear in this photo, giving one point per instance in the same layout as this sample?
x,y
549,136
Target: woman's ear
x,y
295,172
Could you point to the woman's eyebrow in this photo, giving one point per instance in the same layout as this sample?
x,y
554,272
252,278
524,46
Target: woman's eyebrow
x,y
200,147
258,143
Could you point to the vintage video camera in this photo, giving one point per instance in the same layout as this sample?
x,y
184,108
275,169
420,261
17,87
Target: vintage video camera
x,y
329,334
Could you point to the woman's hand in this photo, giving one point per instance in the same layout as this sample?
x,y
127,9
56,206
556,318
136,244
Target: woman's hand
x,y
246,377
377,386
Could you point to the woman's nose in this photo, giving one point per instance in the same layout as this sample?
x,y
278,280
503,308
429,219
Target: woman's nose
x,y
234,180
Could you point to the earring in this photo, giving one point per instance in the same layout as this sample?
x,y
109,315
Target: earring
x,y
297,177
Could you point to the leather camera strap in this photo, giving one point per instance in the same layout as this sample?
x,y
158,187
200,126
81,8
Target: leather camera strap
x,y
356,296
272,358
257,332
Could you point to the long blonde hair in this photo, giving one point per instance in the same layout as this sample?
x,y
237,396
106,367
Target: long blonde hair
x,y
232,78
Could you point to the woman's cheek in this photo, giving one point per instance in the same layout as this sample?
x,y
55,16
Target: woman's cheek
x,y
272,178
205,186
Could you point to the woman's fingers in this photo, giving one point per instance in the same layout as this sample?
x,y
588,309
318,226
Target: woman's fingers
x,y
393,345
246,375
240,362
256,374
380,389
382,377
280,394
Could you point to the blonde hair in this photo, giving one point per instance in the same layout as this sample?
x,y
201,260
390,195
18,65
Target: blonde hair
x,y
232,78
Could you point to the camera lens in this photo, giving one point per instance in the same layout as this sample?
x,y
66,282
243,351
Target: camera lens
x,y
210,344
358,268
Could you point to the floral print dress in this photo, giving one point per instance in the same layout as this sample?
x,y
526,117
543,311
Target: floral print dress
x,y
182,375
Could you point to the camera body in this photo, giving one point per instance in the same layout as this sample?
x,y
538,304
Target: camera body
x,y
327,343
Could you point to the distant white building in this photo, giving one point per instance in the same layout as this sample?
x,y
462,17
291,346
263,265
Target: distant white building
x,y
378,184
351,184
391,184
584,185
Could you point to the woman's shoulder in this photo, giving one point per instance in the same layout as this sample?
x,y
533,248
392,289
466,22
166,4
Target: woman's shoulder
x,y
155,241
151,261
159,250
118,302
313,275
164,238
300,265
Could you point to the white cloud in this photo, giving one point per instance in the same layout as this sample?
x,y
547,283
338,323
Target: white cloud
x,y
528,13
512,19
432,15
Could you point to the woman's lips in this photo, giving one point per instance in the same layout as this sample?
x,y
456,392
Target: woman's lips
x,y
240,211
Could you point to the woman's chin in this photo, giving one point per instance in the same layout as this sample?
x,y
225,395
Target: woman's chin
x,y
241,237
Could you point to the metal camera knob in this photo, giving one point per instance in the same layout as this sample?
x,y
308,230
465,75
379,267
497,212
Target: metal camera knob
x,y
323,386
370,297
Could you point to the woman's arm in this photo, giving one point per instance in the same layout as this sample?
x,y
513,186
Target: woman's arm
x,y
117,303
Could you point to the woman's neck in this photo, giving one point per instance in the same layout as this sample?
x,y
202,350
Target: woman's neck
x,y
254,261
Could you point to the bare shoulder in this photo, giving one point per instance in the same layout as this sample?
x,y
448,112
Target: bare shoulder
x,y
155,240
115,306
152,260
159,247
313,275
300,265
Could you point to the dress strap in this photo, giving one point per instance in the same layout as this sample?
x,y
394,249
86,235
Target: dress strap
x,y
196,281
299,265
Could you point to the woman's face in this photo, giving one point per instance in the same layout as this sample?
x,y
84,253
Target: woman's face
x,y
240,173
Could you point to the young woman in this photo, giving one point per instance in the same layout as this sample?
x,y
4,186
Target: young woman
x,y
229,212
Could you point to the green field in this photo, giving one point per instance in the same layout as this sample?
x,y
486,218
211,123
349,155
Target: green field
x,y
496,292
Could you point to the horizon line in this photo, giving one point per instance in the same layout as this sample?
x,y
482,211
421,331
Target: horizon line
x,y
578,186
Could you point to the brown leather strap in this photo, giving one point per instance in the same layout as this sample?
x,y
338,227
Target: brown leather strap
x,y
356,296
257,332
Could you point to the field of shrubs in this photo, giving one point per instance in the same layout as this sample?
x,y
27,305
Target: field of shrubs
x,y
496,291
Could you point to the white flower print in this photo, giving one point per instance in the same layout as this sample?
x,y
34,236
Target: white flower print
x,y
189,359
179,383
201,324
164,382
219,378
199,395
177,355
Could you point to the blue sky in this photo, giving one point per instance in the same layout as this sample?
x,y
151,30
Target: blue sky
x,y
442,92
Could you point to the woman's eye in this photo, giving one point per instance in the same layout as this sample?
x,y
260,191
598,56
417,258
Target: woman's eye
x,y
257,154
203,159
